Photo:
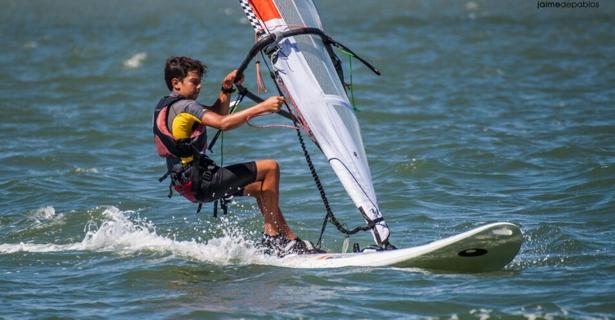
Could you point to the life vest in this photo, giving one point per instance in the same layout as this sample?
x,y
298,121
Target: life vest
x,y
166,144
185,178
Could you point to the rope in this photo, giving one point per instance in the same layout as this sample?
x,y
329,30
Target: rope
x,y
351,85
220,134
329,217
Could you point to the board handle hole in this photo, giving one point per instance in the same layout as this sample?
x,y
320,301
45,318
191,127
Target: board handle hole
x,y
473,252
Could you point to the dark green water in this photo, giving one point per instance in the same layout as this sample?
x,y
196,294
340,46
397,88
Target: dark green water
x,y
486,111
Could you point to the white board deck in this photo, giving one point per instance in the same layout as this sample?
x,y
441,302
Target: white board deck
x,y
486,248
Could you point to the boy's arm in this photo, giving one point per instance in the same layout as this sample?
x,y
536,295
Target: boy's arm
x,y
234,120
221,106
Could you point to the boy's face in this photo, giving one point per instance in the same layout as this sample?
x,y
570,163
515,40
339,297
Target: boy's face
x,y
188,87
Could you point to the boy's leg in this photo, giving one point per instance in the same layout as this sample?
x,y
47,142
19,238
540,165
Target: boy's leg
x,y
266,190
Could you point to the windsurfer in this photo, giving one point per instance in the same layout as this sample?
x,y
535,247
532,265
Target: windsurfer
x,y
180,136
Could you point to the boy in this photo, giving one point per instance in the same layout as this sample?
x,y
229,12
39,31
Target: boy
x,y
180,136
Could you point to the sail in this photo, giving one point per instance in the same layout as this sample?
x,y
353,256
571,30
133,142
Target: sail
x,y
308,79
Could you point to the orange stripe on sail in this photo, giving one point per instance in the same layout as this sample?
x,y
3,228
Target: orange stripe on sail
x,y
265,9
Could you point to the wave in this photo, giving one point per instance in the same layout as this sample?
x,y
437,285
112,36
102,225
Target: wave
x,y
120,234
135,61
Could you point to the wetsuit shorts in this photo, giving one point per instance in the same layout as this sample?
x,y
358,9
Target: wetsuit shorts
x,y
229,181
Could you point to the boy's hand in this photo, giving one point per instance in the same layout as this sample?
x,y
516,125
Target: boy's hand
x,y
273,104
229,80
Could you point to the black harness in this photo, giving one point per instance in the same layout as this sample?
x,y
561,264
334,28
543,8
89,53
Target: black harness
x,y
193,179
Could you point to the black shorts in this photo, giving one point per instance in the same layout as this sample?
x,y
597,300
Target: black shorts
x,y
229,181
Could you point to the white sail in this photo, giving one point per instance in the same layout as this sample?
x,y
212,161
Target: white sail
x,y
309,80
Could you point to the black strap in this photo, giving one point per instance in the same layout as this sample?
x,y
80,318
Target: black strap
x,y
164,176
227,90
223,205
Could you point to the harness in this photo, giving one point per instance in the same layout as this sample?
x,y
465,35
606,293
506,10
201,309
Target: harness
x,y
190,179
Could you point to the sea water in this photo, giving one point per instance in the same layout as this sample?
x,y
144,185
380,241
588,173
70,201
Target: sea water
x,y
485,111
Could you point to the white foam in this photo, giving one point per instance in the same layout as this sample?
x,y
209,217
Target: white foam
x,y
45,216
538,312
135,61
33,247
84,170
120,234
45,213
482,314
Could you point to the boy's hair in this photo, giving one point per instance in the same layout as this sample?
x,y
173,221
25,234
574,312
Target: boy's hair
x,y
178,67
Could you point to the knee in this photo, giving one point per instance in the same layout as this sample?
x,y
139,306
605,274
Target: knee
x,y
270,165
274,165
